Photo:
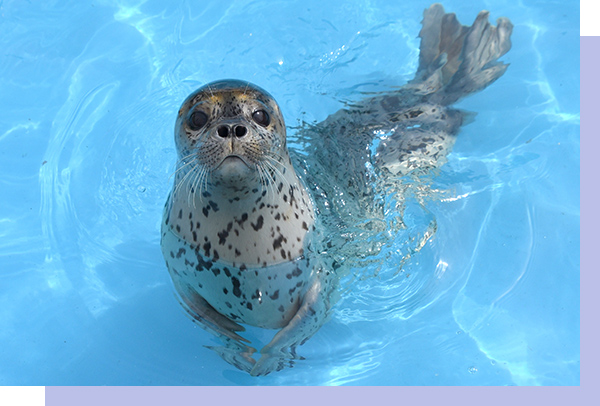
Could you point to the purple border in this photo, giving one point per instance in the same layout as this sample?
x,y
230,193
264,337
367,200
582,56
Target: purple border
x,y
149,396
291,396
589,194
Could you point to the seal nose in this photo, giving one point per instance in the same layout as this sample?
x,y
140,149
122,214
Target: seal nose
x,y
225,131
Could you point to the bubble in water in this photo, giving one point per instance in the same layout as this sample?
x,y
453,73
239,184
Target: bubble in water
x,y
473,370
141,189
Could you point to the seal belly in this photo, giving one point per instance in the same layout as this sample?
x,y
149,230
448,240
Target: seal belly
x,y
265,297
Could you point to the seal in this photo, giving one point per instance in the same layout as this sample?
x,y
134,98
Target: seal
x,y
236,224
239,224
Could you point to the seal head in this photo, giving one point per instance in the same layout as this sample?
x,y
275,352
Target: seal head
x,y
235,133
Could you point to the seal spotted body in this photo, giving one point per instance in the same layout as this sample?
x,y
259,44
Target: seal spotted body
x,y
236,222
239,223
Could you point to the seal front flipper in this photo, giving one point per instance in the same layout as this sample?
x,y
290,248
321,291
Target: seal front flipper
x,y
311,315
235,350
209,319
237,354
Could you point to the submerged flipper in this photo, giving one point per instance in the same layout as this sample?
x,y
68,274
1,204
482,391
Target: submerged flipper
x,y
311,315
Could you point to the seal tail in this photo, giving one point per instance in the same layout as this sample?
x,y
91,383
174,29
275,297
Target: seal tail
x,y
456,60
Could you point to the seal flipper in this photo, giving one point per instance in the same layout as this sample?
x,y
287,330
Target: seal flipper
x,y
209,319
311,315
455,60
237,354
413,126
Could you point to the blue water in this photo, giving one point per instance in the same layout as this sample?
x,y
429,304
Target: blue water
x,y
89,92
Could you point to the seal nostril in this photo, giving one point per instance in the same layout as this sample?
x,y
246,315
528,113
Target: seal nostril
x,y
240,131
223,131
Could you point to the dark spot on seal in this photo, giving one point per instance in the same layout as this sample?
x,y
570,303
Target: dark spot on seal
x,y
242,220
236,287
223,236
259,223
206,248
249,305
180,252
304,225
203,265
277,242
257,295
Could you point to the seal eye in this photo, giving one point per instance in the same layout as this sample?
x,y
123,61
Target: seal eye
x,y
197,120
261,117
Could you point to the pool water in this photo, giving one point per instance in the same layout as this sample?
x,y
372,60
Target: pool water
x,y
89,94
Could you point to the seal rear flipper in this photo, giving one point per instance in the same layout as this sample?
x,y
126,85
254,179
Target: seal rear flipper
x,y
311,315
456,60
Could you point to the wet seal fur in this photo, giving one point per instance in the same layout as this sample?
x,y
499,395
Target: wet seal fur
x,y
238,223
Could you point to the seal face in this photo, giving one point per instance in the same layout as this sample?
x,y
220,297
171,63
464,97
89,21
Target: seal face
x,y
236,223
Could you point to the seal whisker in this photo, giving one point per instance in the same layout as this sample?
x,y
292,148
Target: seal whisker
x,y
182,164
283,180
185,179
272,163
201,184
267,180
192,190
181,167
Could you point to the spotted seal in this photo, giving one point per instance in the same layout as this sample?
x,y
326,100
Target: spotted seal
x,y
236,223
239,222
